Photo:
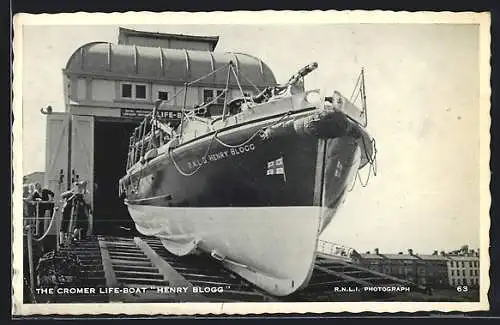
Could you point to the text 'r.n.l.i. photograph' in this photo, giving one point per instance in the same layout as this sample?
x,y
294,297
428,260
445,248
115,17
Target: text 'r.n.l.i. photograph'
x,y
256,162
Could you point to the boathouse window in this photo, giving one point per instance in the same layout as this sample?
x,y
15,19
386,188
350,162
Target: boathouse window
x,y
140,91
127,90
133,91
208,95
221,99
163,95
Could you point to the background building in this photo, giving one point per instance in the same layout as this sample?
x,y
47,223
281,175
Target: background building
x,y
437,270
109,88
463,268
35,177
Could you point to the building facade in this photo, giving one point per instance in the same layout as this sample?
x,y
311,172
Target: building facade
x,y
463,270
109,88
125,79
437,270
35,177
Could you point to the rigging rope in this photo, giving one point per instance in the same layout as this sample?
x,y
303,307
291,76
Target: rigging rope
x,y
208,74
355,86
249,81
259,131
238,82
171,155
373,165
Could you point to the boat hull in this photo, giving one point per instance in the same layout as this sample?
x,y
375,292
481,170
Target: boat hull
x,y
258,207
272,247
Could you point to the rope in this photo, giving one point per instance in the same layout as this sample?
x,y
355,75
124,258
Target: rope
x,y
373,165
225,92
214,137
239,85
259,131
355,87
51,221
179,169
190,112
365,109
249,81
207,75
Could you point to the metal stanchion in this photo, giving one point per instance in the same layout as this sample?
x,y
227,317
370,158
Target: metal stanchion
x,y
37,207
30,257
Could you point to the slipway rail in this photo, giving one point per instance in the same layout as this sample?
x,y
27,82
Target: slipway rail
x,y
140,269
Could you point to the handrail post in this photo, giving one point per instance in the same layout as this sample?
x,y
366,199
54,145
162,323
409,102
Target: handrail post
x,y
71,220
30,257
183,109
37,209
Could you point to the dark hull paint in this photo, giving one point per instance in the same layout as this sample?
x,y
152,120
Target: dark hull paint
x,y
238,176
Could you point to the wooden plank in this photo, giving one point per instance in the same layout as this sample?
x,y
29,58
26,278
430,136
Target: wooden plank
x,y
383,275
107,267
344,276
170,274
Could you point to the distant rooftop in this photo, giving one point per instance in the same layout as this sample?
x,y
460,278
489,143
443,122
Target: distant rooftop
x,y
154,39
425,257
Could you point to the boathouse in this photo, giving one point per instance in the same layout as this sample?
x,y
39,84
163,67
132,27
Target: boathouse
x,y
109,88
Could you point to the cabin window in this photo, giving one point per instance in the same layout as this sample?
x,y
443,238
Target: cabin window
x,y
163,95
127,90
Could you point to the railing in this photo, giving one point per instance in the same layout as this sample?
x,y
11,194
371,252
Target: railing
x,y
335,250
32,228
36,219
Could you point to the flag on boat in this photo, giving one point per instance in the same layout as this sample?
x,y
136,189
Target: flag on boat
x,y
276,167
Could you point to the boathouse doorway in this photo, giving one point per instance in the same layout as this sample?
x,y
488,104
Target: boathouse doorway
x,y
111,140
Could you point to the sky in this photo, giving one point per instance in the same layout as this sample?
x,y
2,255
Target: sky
x,y
422,85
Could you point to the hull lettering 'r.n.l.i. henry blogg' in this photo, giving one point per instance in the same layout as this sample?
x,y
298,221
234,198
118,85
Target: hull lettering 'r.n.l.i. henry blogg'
x,y
253,187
